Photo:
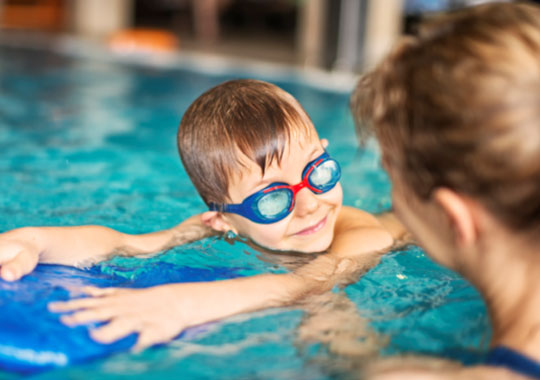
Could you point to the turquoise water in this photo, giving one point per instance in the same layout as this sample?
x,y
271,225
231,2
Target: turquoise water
x,y
93,142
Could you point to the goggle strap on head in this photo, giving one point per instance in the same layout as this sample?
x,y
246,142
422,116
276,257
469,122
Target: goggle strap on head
x,y
220,207
215,207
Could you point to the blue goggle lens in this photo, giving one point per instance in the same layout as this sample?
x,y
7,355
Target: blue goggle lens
x,y
275,203
325,176
267,206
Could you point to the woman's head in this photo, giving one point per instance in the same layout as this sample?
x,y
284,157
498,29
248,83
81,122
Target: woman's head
x,y
458,107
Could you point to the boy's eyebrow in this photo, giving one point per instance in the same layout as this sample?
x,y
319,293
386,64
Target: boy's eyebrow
x,y
268,181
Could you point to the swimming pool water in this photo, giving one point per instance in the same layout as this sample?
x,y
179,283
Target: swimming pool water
x,y
88,141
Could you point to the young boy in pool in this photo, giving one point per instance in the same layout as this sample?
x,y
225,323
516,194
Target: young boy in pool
x,y
255,158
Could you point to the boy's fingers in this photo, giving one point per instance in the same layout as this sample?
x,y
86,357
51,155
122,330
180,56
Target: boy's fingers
x,y
145,340
10,272
9,250
80,303
151,336
98,292
87,316
23,263
116,329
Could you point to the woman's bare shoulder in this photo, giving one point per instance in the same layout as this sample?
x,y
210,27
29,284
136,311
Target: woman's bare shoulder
x,y
429,368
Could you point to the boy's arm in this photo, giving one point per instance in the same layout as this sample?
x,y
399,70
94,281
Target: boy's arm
x,y
393,225
160,313
23,248
336,321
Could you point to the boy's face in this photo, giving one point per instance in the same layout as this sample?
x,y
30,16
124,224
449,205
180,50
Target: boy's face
x,y
310,226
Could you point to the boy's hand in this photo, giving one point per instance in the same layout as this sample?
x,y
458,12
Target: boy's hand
x,y
22,248
160,313
17,258
157,314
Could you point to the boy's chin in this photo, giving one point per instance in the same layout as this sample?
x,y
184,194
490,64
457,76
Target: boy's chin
x,y
320,245
302,247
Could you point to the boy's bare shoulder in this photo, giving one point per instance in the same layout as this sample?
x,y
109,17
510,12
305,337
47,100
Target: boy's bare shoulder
x,y
359,228
357,233
354,217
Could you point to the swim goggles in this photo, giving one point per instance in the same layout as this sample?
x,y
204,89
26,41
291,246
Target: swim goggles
x,y
276,201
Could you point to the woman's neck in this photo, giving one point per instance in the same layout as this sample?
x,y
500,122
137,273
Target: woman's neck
x,y
507,273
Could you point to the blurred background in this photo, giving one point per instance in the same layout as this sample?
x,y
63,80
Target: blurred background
x,y
340,35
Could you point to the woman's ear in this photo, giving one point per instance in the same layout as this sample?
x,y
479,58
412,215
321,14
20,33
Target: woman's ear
x,y
216,221
460,212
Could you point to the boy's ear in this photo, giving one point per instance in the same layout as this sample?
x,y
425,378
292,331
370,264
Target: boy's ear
x,y
460,211
215,221
324,143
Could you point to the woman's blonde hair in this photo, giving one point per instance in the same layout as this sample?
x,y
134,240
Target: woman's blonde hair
x,y
458,106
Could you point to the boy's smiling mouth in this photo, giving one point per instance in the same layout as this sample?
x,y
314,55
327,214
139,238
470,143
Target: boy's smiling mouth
x,y
314,228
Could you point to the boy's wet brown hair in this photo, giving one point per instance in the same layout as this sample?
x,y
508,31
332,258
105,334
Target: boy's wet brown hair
x,y
458,106
239,117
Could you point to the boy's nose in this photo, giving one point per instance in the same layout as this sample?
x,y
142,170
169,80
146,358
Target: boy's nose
x,y
306,202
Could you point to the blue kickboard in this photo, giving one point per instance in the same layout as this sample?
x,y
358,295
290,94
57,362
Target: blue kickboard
x,y
32,338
